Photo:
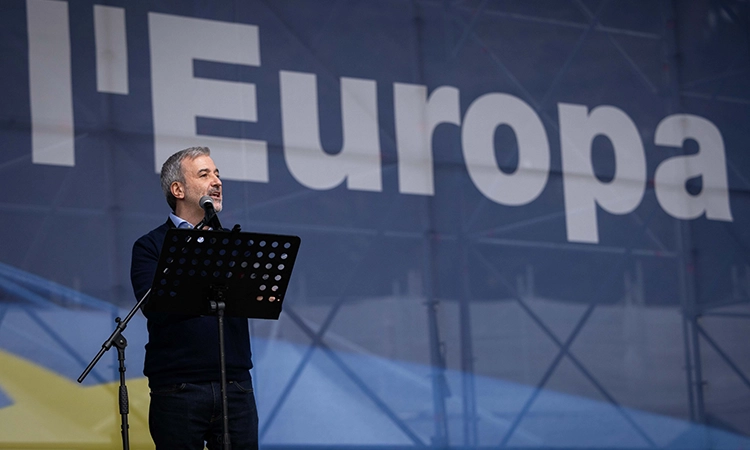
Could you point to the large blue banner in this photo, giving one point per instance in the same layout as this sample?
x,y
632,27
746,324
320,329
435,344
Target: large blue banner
x,y
523,224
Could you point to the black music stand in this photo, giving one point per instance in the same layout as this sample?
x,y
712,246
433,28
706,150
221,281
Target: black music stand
x,y
250,270
239,274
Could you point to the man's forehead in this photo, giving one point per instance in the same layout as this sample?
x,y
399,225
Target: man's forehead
x,y
199,164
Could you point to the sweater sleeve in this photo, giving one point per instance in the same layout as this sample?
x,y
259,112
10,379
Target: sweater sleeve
x,y
143,265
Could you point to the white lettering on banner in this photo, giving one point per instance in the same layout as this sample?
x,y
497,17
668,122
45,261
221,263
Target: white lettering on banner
x,y
50,83
583,192
179,97
672,174
358,162
477,137
111,50
416,119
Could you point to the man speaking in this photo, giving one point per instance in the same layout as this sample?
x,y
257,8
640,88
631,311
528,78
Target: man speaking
x,y
182,354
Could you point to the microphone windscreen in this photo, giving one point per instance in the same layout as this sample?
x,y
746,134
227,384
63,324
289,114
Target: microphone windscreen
x,y
206,201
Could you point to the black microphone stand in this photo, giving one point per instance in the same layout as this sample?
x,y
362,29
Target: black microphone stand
x,y
119,341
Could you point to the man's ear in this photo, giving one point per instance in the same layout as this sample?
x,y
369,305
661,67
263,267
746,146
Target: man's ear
x,y
178,190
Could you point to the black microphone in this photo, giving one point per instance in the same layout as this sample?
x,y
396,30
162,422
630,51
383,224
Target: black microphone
x,y
207,203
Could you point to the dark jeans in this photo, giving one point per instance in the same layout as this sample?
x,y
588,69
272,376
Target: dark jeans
x,y
184,416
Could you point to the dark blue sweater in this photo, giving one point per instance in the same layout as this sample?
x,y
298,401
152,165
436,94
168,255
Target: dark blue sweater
x,y
180,348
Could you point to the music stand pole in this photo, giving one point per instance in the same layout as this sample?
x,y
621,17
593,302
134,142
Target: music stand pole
x,y
218,305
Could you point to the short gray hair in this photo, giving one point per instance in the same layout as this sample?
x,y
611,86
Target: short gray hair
x,y
171,171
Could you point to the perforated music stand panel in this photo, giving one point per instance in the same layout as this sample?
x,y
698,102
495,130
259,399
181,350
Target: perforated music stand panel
x,y
250,271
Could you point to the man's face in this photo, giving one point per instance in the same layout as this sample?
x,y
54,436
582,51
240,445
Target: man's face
x,y
201,178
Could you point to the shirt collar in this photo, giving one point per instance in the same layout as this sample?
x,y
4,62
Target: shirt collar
x,y
179,222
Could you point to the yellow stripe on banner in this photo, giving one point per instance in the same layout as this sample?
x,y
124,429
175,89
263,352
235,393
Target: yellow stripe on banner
x,y
51,412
